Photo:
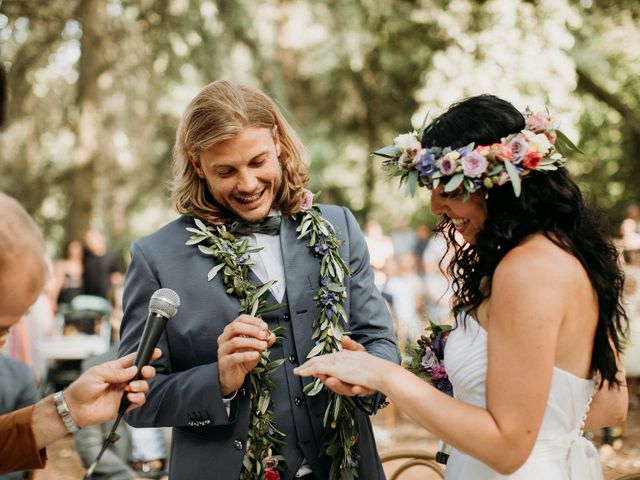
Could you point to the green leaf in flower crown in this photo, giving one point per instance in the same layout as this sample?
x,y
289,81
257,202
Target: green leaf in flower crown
x,y
565,145
206,250
514,176
195,239
390,151
412,181
454,182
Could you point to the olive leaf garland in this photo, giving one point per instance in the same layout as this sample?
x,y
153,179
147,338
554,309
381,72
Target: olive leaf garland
x,y
341,427
340,423
233,259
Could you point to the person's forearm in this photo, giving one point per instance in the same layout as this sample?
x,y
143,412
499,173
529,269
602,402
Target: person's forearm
x,y
47,425
450,420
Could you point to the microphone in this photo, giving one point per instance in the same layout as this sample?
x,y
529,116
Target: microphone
x,y
163,305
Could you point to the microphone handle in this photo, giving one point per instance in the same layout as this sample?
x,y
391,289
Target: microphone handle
x,y
152,331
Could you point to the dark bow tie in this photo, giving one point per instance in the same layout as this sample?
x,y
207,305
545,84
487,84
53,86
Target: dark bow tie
x,y
267,226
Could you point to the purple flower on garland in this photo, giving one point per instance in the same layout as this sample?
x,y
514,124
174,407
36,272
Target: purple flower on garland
x,y
329,298
353,461
321,249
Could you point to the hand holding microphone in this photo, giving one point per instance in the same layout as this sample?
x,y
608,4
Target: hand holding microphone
x,y
163,305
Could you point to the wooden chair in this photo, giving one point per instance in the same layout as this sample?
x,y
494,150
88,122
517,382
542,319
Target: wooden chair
x,y
411,458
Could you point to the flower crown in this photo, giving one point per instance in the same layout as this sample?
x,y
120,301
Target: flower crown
x,y
540,146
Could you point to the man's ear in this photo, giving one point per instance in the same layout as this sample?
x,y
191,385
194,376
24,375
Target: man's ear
x,y
276,140
196,166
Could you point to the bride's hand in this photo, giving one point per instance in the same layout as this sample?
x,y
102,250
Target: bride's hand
x,y
359,372
343,388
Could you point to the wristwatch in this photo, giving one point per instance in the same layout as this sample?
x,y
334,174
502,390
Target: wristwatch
x,y
63,411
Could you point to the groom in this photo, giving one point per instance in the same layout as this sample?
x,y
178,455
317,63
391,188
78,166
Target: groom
x,y
238,163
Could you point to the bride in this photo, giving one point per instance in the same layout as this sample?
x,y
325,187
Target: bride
x,y
533,357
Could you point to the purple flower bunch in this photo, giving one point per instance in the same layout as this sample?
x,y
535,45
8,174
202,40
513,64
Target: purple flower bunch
x,y
426,359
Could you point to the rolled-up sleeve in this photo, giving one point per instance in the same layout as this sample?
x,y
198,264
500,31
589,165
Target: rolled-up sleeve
x,y
18,449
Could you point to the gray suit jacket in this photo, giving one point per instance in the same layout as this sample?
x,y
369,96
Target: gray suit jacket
x,y
185,393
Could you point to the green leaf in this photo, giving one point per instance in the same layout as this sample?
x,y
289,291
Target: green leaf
x,y
454,183
271,308
200,224
514,176
206,250
390,151
564,142
412,181
214,271
316,350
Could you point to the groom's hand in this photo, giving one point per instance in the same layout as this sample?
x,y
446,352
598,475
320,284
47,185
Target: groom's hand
x,y
239,348
343,388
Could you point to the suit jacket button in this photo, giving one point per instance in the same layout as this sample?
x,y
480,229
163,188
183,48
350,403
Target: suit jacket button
x,y
285,317
297,401
293,359
237,444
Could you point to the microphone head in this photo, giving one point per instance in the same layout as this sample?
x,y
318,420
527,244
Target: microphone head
x,y
164,302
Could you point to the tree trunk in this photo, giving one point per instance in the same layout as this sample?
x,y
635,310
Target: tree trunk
x,y
91,15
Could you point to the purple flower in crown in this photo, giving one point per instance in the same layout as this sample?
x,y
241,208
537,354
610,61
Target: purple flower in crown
x,y
425,163
519,148
324,281
244,258
474,164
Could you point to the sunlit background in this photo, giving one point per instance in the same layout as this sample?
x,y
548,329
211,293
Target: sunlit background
x,y
96,88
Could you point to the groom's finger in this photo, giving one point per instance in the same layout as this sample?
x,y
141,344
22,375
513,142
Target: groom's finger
x,y
339,387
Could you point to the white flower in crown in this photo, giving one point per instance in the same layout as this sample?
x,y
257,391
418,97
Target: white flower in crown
x,y
407,141
538,142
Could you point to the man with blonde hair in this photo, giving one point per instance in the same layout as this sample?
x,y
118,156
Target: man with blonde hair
x,y
267,279
92,398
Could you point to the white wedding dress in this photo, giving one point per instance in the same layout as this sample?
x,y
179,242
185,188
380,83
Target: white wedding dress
x,y
560,451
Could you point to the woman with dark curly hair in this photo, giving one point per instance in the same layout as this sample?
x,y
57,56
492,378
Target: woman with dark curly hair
x,y
533,357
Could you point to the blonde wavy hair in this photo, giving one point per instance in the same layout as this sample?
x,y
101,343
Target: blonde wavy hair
x,y
219,112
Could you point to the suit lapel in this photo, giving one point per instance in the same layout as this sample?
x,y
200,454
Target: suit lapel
x,y
302,273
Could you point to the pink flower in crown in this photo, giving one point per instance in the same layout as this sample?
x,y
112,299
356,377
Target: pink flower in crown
x,y
501,151
307,201
532,160
519,147
447,165
538,122
474,164
437,372
551,136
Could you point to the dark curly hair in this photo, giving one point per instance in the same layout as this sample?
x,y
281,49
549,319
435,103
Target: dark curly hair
x,y
551,203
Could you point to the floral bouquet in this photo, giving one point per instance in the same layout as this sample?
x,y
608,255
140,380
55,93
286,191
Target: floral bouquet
x,y
426,360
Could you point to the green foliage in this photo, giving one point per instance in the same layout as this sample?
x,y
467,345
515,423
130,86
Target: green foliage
x,y
97,88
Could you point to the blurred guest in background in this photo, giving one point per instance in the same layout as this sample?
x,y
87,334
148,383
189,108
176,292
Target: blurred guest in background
x,y
99,265
69,272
